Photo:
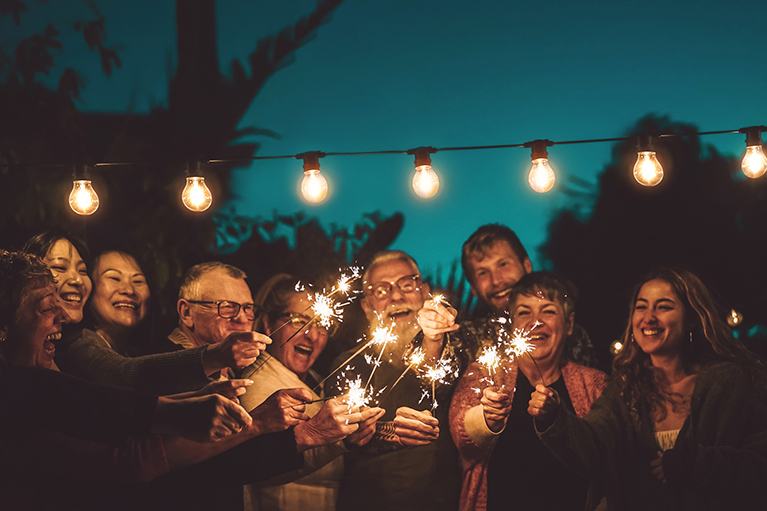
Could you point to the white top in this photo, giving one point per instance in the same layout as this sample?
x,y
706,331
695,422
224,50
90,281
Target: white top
x,y
666,439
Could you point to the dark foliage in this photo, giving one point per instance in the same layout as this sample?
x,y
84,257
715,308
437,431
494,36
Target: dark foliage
x,y
704,216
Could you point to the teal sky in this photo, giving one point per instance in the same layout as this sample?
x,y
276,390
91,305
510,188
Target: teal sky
x,y
398,74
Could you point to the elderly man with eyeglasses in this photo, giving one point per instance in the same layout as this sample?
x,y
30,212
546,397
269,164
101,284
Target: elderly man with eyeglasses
x,y
408,464
215,309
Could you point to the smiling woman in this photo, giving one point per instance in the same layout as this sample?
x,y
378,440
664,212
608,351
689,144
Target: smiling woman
x,y
67,257
103,348
296,345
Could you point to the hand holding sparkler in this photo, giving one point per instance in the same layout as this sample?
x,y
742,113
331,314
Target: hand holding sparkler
x,y
237,350
367,427
332,423
412,428
436,318
496,407
543,406
281,410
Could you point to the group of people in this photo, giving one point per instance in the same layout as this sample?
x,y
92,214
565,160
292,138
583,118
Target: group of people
x,y
229,412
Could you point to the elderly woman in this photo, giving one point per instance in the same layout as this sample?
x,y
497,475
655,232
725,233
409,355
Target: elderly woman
x,y
683,422
102,349
296,344
504,466
30,324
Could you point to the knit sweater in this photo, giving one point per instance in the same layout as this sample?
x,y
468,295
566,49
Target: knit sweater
x,y
88,355
316,485
719,460
475,441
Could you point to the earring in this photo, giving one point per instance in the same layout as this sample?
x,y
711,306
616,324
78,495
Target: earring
x,y
690,335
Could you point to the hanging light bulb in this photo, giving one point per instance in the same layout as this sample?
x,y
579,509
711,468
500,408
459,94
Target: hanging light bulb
x,y
541,177
83,198
196,195
425,180
647,169
734,318
616,347
314,186
754,163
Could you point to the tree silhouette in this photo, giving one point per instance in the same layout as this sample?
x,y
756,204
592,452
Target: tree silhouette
x,y
703,216
42,129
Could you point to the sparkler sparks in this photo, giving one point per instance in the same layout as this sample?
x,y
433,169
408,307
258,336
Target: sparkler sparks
x,y
357,395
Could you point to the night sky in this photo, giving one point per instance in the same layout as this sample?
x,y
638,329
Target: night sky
x,y
398,74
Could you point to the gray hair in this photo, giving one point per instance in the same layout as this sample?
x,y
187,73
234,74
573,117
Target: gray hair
x,y
190,284
388,256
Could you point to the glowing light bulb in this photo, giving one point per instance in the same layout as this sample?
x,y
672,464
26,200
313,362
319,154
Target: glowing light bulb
x,y
541,176
648,170
314,186
196,195
754,162
616,347
735,318
83,199
425,182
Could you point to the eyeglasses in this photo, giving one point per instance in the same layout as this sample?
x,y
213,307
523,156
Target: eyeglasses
x,y
298,321
406,284
229,310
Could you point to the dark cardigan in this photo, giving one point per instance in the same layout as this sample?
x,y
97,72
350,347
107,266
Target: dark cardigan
x,y
719,460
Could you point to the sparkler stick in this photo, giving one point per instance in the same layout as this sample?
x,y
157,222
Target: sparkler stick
x,y
384,337
371,341
416,358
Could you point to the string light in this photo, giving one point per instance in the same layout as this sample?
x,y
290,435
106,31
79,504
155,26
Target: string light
x,y
425,180
616,347
314,186
541,177
647,169
734,318
754,163
196,195
83,198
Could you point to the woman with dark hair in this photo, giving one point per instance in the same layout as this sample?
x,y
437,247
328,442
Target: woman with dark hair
x,y
39,465
68,259
683,422
504,466
104,348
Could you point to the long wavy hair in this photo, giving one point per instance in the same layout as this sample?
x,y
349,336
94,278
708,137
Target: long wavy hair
x,y
711,340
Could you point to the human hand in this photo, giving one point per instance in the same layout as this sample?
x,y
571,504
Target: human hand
x,y
413,427
435,320
544,402
281,410
201,419
496,407
332,423
230,389
656,466
367,427
238,350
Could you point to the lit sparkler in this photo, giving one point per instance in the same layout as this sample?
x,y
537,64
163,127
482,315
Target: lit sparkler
x,y
441,372
416,357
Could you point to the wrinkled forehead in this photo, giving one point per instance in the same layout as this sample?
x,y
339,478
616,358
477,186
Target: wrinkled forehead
x,y
391,271
217,285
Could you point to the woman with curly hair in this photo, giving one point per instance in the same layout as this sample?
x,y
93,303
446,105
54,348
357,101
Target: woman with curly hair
x,y
683,421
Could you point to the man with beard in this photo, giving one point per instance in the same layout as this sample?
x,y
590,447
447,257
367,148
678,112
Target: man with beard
x,y
408,465
493,260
